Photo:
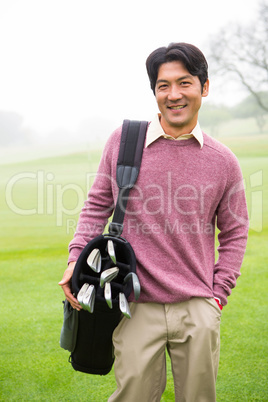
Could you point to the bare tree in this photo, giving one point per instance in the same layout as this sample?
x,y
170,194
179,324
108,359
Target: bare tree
x,y
241,52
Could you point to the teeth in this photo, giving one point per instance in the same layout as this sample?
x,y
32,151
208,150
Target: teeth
x,y
176,107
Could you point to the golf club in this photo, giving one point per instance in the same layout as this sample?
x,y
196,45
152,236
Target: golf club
x,y
135,283
123,305
111,252
94,260
89,299
108,294
108,275
81,293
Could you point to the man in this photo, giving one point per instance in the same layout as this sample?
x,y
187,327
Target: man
x,y
188,184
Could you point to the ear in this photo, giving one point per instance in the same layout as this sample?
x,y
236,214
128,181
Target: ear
x,y
205,89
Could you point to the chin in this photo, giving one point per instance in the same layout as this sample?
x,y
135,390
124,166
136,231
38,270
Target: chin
x,y
177,123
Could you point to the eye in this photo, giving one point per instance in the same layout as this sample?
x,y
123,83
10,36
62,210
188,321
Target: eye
x,y
162,86
185,83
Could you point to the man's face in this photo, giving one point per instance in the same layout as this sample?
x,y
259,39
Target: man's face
x,y
179,97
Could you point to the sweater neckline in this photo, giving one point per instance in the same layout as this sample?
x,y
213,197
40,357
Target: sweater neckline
x,y
176,143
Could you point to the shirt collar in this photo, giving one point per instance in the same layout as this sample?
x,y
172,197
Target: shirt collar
x,y
156,131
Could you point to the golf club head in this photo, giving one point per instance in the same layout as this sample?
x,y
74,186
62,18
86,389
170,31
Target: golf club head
x,y
81,293
108,294
135,283
108,275
94,260
123,305
89,299
111,252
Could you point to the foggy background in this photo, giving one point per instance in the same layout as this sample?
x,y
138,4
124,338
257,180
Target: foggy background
x,y
71,71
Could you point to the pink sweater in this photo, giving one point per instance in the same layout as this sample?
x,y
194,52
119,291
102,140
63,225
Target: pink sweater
x,y
181,192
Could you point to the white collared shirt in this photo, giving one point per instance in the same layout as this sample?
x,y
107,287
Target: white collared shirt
x,y
155,131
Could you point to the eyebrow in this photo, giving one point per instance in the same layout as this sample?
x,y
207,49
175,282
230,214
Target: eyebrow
x,y
185,77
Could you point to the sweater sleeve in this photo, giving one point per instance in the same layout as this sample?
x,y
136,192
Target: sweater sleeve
x,y
100,203
232,222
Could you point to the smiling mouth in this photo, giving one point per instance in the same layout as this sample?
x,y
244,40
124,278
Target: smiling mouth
x,y
177,107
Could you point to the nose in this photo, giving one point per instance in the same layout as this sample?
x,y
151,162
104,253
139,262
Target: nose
x,y
174,93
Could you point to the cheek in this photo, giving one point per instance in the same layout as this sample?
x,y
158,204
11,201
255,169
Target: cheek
x,y
196,100
159,100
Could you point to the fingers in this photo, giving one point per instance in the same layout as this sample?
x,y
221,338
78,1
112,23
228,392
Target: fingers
x,y
70,297
68,273
65,283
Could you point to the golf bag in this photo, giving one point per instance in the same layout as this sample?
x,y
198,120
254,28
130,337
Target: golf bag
x,y
93,349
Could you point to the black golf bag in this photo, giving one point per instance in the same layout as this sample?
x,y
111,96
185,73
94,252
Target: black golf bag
x,y
92,350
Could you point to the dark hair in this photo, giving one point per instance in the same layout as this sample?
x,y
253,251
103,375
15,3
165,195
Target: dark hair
x,y
191,57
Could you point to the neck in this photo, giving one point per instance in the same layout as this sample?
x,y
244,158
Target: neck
x,y
176,131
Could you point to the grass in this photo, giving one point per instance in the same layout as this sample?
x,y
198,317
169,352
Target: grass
x,y
33,258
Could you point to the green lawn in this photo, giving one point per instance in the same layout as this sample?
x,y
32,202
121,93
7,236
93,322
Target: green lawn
x,y
34,238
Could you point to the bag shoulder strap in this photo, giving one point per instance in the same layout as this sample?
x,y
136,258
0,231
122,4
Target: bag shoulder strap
x,y
128,167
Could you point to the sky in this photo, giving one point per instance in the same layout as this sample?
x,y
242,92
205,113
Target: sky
x,y
67,65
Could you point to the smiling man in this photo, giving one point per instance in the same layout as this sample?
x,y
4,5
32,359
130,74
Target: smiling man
x,y
179,96
188,185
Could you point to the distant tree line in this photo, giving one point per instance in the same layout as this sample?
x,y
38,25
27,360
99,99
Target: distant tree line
x,y
212,115
240,52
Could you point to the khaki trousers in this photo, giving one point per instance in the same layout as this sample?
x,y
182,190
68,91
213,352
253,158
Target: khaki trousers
x,y
190,331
